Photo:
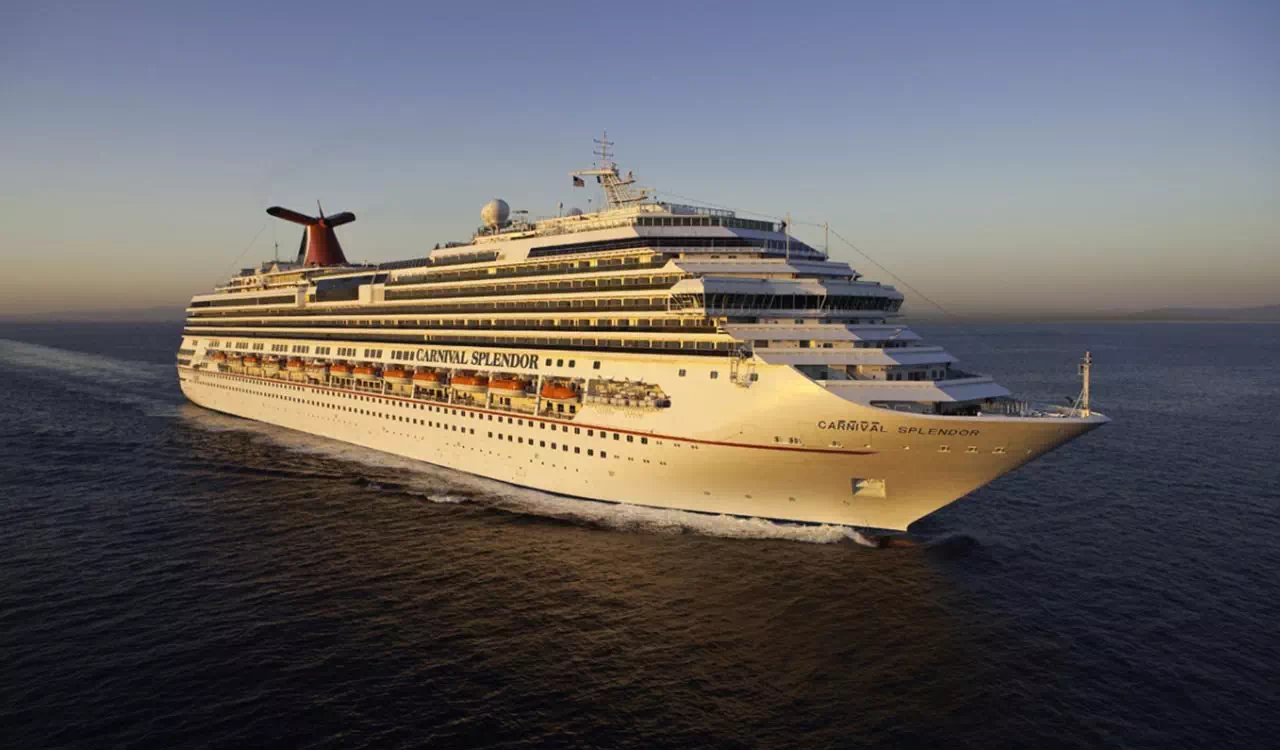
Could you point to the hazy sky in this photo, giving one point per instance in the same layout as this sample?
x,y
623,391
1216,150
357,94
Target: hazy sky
x,y
1020,156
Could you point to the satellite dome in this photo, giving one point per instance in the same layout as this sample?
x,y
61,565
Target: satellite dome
x,y
574,212
495,213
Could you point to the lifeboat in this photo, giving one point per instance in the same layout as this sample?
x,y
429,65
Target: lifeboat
x,y
364,372
251,361
396,375
471,383
317,369
340,370
508,386
294,365
219,357
558,392
271,364
427,378
235,360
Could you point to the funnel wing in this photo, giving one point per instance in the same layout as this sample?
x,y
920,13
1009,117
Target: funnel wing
x,y
294,216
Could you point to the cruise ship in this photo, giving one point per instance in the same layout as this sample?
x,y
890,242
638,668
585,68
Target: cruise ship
x,y
648,352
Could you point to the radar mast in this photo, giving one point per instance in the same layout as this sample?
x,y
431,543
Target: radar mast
x,y
619,191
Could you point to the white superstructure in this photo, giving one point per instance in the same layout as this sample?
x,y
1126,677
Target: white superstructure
x,y
649,353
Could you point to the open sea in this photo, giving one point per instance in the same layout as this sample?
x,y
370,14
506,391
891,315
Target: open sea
x,y
174,578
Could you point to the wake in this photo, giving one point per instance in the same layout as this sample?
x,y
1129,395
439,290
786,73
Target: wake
x,y
102,377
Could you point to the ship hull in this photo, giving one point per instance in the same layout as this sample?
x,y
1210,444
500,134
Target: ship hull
x,y
877,469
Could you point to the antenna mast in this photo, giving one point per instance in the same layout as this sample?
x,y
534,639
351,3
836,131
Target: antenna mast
x,y
619,192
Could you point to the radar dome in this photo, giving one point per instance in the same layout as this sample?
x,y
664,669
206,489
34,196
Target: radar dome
x,y
574,212
495,213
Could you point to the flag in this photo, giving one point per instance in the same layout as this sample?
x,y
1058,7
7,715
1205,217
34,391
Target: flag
x,y
577,182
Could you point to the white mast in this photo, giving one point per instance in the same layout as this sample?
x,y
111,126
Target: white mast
x,y
1085,365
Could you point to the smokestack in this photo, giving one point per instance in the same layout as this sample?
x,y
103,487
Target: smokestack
x,y
319,246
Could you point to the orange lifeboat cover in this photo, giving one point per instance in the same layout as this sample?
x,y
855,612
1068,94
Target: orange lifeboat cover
x,y
551,390
509,384
427,376
395,372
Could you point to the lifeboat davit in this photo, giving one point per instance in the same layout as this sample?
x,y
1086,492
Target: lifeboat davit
x,y
364,372
427,378
558,392
396,375
508,386
340,370
471,383
294,365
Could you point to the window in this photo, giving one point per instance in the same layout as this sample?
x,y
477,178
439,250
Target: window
x,y
595,365
682,373
572,362
715,374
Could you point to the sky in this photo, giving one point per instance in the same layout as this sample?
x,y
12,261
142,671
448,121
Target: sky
x,y
1004,158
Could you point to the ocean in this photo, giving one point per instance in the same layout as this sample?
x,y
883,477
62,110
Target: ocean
x,y
175,578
